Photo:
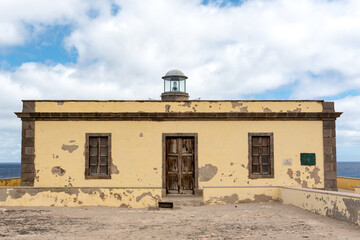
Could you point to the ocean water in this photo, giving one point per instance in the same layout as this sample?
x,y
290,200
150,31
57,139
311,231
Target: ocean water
x,y
348,169
9,170
344,169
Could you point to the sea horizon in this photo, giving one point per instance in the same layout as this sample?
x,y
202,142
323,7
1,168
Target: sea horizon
x,y
344,169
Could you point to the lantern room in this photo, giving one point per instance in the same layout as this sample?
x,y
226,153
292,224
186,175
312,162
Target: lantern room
x,y
174,86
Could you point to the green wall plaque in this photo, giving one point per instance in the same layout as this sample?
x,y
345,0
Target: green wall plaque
x,y
307,159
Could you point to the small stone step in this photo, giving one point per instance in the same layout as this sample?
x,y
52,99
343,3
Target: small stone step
x,y
183,200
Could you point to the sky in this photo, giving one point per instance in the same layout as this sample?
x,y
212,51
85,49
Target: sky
x,y
120,49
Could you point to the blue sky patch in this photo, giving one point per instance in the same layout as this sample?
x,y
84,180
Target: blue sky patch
x,y
93,13
224,3
115,9
46,47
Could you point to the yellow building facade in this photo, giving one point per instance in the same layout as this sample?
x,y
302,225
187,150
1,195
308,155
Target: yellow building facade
x,y
176,146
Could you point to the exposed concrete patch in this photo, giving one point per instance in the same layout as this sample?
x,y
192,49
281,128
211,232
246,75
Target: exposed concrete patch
x,y
167,108
3,194
90,191
334,212
186,104
37,178
71,141
314,174
155,168
129,191
353,207
102,196
58,171
19,193
207,172
69,191
114,169
138,198
295,110
141,134
262,198
69,182
304,184
194,109
298,173
230,199
60,103
69,148
236,104
244,109
243,165
123,205
266,109
290,173
298,180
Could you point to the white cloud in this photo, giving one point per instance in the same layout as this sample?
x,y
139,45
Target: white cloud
x,y
21,20
230,52
258,46
348,125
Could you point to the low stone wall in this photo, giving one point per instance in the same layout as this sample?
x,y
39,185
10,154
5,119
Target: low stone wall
x,y
240,194
348,183
341,206
10,182
75,197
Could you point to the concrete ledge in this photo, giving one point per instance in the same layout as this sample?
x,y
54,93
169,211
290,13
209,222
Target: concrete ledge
x,y
140,197
239,186
344,194
341,206
240,194
357,189
348,182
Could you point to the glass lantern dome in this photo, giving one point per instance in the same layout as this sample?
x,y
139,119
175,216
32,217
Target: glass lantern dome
x,y
174,81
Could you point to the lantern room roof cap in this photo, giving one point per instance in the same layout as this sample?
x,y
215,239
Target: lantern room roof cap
x,y
175,73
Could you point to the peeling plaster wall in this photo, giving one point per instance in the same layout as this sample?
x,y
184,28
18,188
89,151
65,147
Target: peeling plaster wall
x,y
137,152
10,182
342,206
348,183
232,195
306,176
187,106
76,197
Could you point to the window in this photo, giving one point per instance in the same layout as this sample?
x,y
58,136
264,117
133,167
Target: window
x,y
98,155
261,155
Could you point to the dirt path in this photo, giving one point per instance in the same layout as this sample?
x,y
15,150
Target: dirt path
x,y
242,221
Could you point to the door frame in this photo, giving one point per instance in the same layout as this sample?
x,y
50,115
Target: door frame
x,y
196,168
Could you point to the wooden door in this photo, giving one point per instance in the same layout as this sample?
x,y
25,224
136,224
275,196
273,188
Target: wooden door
x,y
180,165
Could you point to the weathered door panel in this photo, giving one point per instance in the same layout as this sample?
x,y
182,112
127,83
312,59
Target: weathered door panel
x,y
180,165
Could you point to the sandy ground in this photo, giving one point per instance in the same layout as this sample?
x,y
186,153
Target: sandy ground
x,y
242,221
